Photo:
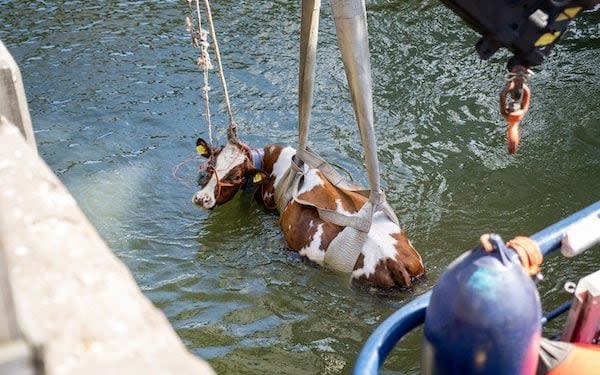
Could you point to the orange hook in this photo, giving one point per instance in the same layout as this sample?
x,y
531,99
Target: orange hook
x,y
513,137
513,108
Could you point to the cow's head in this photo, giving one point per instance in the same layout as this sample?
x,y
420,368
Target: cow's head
x,y
227,170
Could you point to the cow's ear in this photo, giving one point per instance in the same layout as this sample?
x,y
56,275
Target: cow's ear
x,y
257,176
203,148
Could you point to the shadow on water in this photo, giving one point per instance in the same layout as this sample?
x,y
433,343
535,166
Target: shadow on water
x,y
115,101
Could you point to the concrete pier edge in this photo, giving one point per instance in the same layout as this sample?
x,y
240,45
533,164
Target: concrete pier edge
x,y
68,305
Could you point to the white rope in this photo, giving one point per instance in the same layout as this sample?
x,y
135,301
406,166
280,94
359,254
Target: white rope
x,y
232,125
199,40
206,65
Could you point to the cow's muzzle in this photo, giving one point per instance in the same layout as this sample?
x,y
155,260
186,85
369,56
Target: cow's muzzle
x,y
203,200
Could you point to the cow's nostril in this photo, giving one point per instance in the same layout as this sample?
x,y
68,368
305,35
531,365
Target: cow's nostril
x,y
203,200
197,199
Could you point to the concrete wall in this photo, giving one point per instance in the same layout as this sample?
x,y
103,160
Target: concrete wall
x,y
73,297
67,304
13,103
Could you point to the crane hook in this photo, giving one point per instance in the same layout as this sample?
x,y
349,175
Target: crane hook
x,y
514,103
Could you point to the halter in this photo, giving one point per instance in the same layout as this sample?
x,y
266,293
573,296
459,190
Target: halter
x,y
221,184
210,169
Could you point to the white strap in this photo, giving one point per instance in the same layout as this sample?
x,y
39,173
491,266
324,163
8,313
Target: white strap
x,y
345,248
309,31
314,160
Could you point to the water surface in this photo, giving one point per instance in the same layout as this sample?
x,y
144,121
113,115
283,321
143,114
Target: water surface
x,y
115,101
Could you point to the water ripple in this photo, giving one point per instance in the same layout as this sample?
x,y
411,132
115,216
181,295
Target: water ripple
x,y
115,100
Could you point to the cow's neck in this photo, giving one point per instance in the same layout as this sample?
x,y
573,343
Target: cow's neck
x,y
257,155
276,160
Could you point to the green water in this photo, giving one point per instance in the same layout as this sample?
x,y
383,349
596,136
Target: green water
x,y
115,101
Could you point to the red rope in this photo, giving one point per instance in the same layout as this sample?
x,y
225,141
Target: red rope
x,y
183,162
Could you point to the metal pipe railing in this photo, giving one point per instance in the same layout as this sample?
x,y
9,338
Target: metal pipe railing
x,y
411,315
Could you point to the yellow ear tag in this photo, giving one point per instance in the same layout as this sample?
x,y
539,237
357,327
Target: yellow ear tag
x,y
201,149
257,178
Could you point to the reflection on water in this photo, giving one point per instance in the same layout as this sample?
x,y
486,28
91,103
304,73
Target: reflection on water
x,y
115,101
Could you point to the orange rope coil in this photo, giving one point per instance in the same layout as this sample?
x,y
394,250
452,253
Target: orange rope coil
x,y
529,253
527,249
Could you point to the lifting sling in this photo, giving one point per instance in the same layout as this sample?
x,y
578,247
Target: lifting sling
x,y
351,28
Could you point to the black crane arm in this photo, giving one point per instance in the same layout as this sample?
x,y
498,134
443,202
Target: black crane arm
x,y
527,28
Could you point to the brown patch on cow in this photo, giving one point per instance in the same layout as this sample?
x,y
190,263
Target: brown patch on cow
x,y
360,262
408,256
271,154
400,271
296,226
266,192
230,184
327,195
388,273
382,278
300,223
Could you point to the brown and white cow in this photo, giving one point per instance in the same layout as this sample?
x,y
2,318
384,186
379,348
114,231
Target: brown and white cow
x,y
387,258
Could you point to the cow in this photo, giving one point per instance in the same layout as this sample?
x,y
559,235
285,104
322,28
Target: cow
x,y
387,259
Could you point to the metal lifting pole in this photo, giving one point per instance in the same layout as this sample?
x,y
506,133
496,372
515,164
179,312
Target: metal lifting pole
x,y
309,31
350,18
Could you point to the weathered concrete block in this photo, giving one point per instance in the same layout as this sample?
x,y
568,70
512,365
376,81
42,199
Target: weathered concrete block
x,y
13,102
72,295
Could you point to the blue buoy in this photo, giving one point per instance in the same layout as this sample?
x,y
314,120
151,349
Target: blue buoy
x,y
484,317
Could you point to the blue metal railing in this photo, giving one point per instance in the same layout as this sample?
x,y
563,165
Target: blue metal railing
x,y
408,317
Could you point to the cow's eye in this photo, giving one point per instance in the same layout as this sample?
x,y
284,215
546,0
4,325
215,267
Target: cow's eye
x,y
204,176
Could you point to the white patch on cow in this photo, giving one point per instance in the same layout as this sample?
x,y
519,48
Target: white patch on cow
x,y
311,180
379,245
206,197
339,207
313,250
230,157
283,163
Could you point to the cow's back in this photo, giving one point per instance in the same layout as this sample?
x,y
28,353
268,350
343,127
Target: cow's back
x,y
387,258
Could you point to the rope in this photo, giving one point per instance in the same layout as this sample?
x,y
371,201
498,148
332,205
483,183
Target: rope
x,y
527,249
199,40
529,253
232,129
179,165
